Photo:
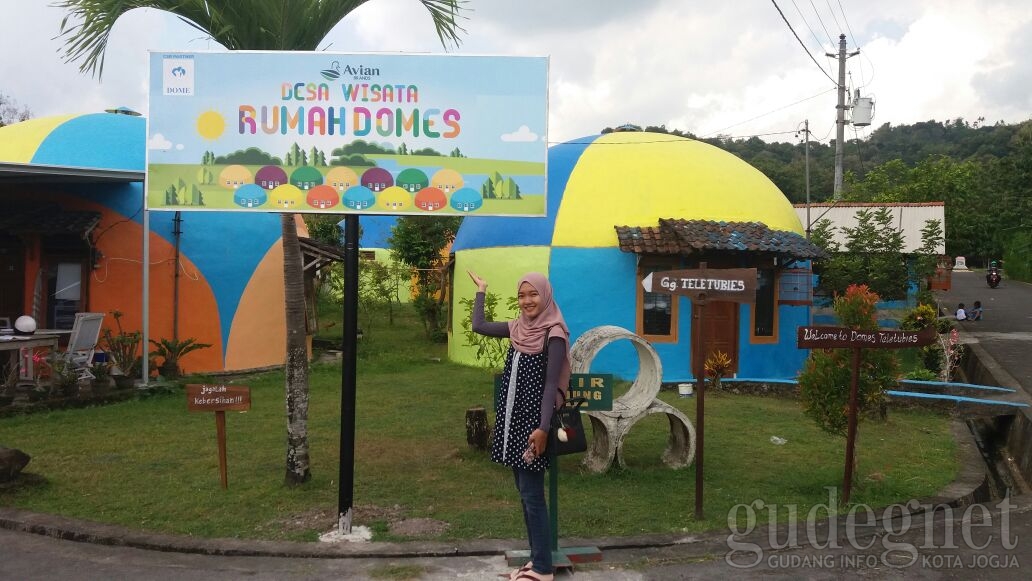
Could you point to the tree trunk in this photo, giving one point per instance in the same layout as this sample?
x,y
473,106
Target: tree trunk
x,y
477,429
298,468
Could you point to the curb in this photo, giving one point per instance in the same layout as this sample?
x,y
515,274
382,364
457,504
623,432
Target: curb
x,y
113,535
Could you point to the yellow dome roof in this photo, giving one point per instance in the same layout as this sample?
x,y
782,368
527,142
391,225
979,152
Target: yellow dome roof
x,y
636,178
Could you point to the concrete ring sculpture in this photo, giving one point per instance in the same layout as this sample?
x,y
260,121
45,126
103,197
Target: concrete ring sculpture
x,y
610,427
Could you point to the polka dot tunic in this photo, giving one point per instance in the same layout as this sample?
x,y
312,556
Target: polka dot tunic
x,y
519,409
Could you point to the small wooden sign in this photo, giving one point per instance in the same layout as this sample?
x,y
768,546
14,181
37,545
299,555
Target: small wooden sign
x,y
701,285
202,397
736,285
846,338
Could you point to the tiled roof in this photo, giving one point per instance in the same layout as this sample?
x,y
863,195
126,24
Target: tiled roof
x,y
674,236
46,220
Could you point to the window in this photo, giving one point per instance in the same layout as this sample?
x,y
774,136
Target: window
x,y
794,287
657,312
764,310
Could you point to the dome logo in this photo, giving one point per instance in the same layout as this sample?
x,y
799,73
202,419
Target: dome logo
x,y
177,79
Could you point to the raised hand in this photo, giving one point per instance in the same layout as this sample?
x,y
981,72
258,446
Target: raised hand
x,y
481,283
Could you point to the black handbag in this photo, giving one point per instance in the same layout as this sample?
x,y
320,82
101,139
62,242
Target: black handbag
x,y
568,419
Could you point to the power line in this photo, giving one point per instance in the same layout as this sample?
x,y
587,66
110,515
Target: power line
x,y
863,80
859,156
828,2
760,134
787,23
771,111
819,19
808,27
650,141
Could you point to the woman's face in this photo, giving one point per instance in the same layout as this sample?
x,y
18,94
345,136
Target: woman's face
x,y
529,300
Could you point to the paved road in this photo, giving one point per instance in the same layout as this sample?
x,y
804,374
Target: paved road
x,y
991,542
1005,330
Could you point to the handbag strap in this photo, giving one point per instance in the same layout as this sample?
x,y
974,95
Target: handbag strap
x,y
575,402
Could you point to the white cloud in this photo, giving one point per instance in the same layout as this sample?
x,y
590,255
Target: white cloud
x,y
522,134
159,142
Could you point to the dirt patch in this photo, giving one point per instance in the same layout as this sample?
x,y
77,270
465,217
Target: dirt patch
x,y
418,527
326,519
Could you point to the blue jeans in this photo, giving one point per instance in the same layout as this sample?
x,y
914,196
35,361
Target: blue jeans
x,y
531,486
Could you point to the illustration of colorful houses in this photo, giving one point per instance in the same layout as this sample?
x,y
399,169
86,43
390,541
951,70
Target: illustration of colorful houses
x,y
234,176
341,178
270,177
623,205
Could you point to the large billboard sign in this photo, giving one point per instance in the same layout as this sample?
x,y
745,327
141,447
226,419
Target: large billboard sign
x,y
347,133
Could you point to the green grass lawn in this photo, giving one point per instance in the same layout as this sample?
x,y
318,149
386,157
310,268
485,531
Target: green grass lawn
x,y
150,464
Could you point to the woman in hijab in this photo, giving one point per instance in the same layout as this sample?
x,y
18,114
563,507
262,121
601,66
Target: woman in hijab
x,y
537,364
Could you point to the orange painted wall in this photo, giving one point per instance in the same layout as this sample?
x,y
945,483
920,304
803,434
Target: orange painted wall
x,y
118,285
257,336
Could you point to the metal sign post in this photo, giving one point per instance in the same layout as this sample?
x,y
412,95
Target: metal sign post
x,y
857,340
737,285
349,378
597,390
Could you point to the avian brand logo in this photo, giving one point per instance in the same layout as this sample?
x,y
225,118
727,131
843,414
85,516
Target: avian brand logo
x,y
177,78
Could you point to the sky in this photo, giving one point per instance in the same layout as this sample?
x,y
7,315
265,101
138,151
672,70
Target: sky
x,y
711,67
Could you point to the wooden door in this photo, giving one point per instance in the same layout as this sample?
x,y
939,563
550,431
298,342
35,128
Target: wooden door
x,y
720,332
12,282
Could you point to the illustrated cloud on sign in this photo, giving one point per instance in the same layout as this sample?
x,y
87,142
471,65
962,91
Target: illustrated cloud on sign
x,y
159,142
522,134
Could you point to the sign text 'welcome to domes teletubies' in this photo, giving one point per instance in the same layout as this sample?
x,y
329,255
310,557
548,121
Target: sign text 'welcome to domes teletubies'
x,y
347,133
844,337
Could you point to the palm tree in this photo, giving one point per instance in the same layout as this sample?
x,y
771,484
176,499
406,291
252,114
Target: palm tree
x,y
251,25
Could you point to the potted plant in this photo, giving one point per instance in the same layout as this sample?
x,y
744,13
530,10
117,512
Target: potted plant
x,y
123,351
171,351
102,377
62,375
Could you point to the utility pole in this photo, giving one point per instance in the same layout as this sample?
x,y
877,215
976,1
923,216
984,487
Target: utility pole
x,y
806,157
840,123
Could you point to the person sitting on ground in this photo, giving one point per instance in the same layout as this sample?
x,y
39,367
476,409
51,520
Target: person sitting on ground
x,y
961,313
976,312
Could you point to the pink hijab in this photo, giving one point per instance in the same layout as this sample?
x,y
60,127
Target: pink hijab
x,y
530,335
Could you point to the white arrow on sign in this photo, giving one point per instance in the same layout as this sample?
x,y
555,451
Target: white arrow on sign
x,y
647,283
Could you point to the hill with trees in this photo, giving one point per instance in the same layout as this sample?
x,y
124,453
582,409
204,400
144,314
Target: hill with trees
x,y
982,172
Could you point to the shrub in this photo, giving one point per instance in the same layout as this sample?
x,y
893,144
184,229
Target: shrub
x,y
825,380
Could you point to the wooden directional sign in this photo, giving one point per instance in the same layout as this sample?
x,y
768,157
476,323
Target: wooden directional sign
x,y
737,285
858,340
214,398
218,399
845,338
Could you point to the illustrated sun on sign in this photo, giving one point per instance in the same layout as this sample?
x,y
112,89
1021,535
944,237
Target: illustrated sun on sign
x,y
210,125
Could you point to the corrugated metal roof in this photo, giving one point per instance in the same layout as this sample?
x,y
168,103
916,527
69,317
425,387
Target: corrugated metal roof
x,y
47,220
30,173
908,218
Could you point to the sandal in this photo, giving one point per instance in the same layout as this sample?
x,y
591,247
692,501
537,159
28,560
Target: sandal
x,y
517,572
532,575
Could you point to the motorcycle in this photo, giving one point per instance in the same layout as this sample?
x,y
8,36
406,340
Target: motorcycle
x,y
992,278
